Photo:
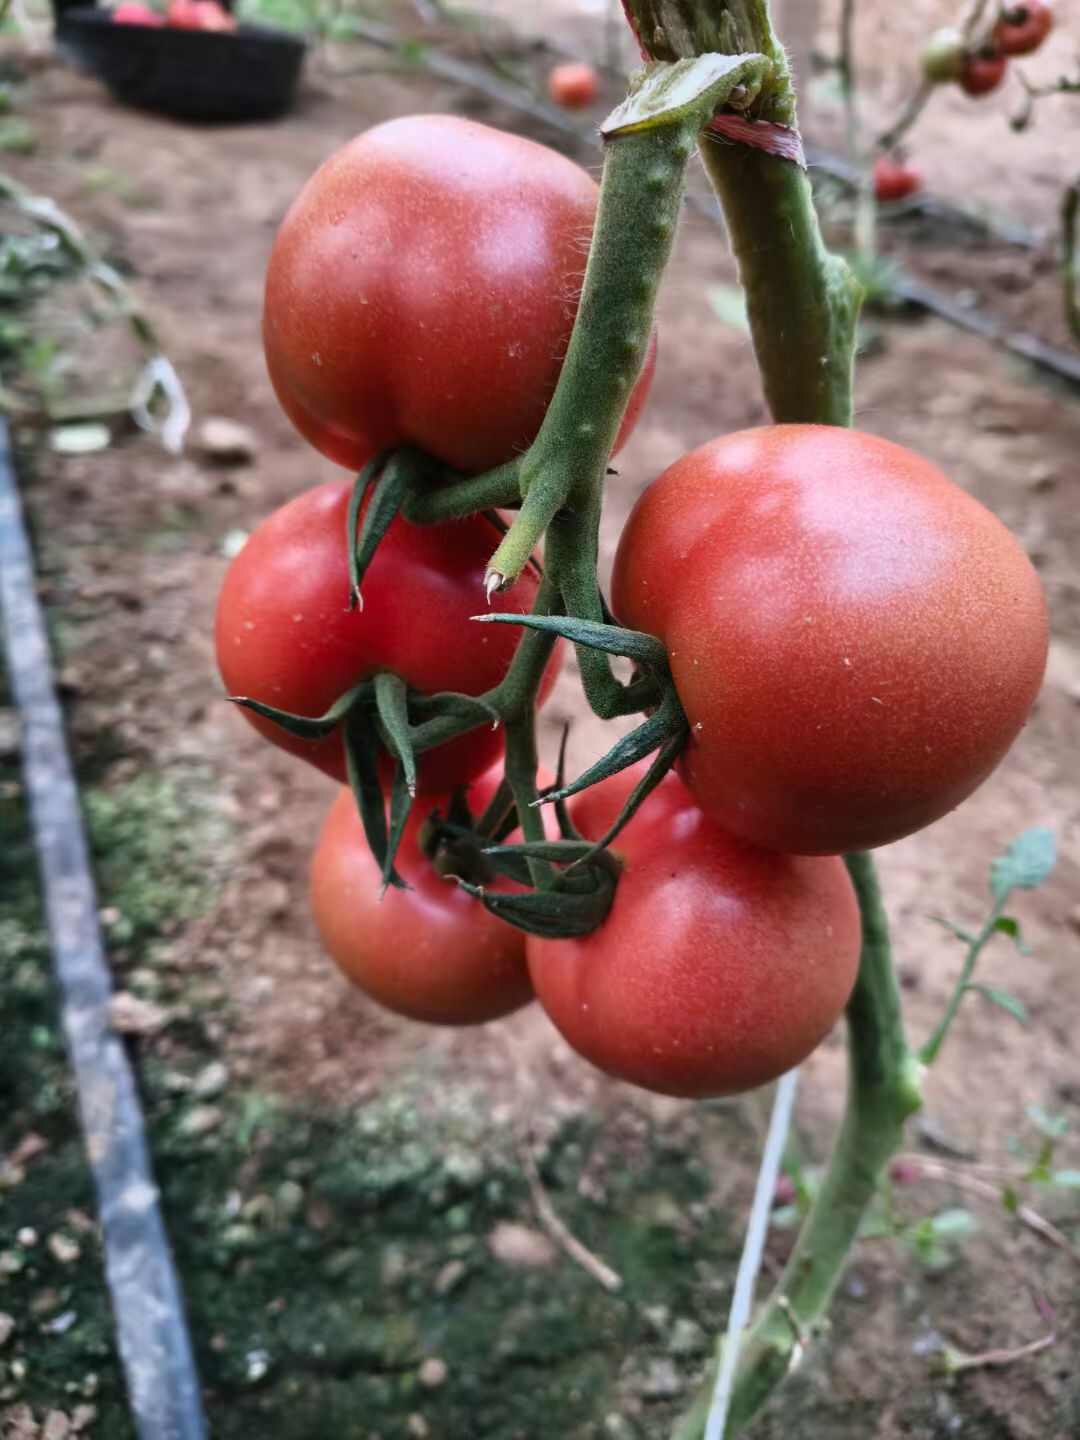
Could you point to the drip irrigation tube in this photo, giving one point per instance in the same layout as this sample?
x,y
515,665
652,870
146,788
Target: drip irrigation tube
x,y
155,1348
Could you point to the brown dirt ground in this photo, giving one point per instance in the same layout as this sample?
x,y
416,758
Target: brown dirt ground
x,y
193,213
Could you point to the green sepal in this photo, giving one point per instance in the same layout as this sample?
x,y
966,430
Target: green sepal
x,y
362,764
394,478
685,92
308,727
665,759
666,730
392,703
451,702
500,817
613,639
557,913
401,803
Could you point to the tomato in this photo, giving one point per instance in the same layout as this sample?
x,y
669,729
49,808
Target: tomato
x,y
131,14
284,635
422,290
982,73
1023,28
894,180
198,15
431,952
719,966
574,85
855,640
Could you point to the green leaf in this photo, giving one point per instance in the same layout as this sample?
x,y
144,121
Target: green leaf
x,y
728,304
1007,925
612,639
308,727
1003,1000
1010,1200
1026,863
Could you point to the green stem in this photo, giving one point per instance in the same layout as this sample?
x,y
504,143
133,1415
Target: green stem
x,y
454,499
928,1053
802,301
640,194
883,1093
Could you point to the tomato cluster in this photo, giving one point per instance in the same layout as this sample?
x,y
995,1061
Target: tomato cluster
x,y
978,66
853,641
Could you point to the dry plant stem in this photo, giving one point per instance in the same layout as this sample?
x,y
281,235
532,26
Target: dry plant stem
x,y
883,1091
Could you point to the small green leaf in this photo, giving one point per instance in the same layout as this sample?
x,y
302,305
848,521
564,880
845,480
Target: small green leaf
x,y
1007,925
307,727
1026,863
1003,1000
1010,1200
728,304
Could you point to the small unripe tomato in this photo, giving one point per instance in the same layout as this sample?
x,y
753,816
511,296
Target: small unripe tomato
x,y
983,72
894,180
574,85
1023,28
944,56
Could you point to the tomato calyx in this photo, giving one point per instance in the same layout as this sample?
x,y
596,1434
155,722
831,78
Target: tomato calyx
x,y
575,903
381,718
662,734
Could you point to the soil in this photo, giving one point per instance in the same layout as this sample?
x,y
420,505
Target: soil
x,y
357,1239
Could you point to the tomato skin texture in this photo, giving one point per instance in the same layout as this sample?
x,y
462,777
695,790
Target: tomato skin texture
x,y
431,952
284,635
894,180
131,14
719,967
982,74
422,289
574,85
1023,27
855,640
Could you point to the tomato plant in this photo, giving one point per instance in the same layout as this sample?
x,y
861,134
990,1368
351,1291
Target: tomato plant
x,y
1022,28
894,179
845,683
422,290
720,965
284,633
574,85
430,952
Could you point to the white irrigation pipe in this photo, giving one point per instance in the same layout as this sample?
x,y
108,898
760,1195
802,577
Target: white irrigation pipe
x,y
155,1349
753,1249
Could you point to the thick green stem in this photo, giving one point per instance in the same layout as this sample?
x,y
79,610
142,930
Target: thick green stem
x,y
635,227
883,1092
802,301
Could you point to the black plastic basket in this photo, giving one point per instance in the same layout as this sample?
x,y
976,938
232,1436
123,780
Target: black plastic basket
x,y
246,74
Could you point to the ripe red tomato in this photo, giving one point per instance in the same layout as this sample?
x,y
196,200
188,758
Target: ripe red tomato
x,y
431,952
574,85
982,73
284,635
719,966
855,640
894,180
131,14
422,290
1022,28
198,15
